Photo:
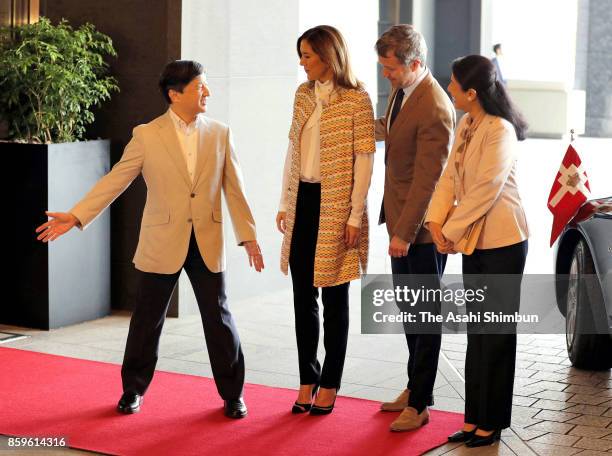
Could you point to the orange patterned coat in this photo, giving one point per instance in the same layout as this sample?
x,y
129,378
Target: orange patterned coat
x,y
347,128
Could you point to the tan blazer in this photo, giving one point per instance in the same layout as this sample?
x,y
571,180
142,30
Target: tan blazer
x,y
416,148
174,205
484,186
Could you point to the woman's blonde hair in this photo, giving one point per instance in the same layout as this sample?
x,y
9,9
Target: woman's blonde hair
x,y
328,43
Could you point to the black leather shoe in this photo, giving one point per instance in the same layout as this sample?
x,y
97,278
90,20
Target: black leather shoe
x,y
478,440
130,403
235,408
323,410
320,410
462,436
300,407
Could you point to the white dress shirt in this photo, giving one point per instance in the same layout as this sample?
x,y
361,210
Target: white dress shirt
x,y
188,136
310,158
407,92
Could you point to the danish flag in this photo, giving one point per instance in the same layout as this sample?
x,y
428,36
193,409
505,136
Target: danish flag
x,y
568,193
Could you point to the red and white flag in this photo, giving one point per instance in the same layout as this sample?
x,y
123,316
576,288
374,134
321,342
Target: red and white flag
x,y
568,193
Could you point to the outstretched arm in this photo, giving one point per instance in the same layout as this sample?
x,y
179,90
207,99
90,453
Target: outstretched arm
x,y
103,193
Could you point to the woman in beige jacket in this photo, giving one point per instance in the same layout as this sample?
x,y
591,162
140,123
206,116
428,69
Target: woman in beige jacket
x,y
323,213
480,178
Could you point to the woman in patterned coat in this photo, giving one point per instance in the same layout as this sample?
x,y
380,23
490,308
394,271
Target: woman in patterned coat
x,y
323,213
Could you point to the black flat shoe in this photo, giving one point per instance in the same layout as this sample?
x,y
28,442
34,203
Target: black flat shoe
x,y
479,440
300,407
462,436
235,408
130,403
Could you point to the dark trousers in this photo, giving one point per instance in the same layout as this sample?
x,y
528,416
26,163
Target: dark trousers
x,y
490,358
222,341
335,299
426,265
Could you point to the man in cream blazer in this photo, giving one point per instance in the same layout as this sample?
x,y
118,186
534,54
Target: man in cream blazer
x,y
417,131
186,160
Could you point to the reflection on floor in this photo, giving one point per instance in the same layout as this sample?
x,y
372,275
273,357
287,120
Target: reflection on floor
x,y
10,337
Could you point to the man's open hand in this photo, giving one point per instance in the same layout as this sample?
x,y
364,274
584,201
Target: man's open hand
x,y
60,223
255,256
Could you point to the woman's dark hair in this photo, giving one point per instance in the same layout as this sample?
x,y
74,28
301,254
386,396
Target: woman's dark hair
x,y
177,75
478,73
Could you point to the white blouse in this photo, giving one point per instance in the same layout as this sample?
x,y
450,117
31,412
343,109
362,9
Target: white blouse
x,y
310,147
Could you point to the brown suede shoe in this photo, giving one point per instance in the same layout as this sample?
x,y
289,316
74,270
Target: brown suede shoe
x,y
409,420
399,404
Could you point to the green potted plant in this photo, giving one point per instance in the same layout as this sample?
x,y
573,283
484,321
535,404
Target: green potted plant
x,y
51,79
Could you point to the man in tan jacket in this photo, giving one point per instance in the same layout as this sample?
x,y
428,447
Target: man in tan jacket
x,y
417,131
186,160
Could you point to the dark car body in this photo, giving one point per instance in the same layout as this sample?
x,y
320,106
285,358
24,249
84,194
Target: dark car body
x,y
587,241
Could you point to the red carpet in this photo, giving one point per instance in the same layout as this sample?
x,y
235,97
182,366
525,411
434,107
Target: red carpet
x,y
46,395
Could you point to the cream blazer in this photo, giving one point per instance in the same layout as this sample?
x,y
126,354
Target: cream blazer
x,y
484,186
174,204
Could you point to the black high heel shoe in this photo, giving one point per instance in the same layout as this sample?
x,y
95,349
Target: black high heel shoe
x,y
480,440
323,410
299,407
462,436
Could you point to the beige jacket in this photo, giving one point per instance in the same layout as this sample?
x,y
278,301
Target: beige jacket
x,y
484,186
174,204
